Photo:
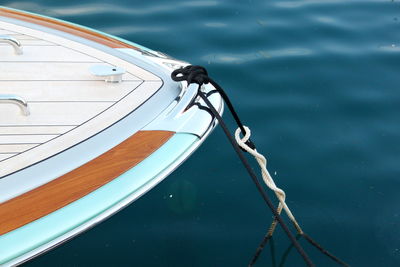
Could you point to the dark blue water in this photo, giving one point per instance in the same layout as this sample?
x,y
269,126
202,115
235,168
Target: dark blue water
x,y
317,82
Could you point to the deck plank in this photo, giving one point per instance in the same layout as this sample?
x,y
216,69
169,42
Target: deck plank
x,y
68,90
52,71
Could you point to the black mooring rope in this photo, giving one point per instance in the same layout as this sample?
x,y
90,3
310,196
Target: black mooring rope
x,y
199,75
324,251
255,180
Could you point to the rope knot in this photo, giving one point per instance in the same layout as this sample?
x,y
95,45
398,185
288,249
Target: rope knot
x,y
246,136
191,74
245,139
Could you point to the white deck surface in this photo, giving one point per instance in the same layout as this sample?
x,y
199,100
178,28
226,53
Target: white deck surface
x,y
67,103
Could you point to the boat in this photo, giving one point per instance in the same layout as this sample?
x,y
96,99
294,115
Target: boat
x,y
89,123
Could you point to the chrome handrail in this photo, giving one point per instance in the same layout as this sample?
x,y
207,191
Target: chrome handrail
x,y
16,100
13,42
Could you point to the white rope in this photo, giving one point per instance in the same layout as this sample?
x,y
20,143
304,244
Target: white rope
x,y
280,194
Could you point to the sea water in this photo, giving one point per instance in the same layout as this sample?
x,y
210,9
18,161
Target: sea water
x,y
318,84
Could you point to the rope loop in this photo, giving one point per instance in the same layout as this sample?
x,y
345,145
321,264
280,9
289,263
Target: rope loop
x,y
246,136
245,139
191,74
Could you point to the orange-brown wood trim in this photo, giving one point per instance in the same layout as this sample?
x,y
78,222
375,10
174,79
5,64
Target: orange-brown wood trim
x,y
60,192
65,27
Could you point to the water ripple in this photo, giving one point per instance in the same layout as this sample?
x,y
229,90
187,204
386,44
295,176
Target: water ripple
x,y
304,3
128,29
200,3
224,58
215,24
97,9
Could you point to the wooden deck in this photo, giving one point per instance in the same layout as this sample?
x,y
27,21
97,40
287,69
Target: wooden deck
x,y
60,192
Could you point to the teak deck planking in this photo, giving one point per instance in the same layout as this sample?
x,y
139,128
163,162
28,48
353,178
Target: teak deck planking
x,y
72,186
